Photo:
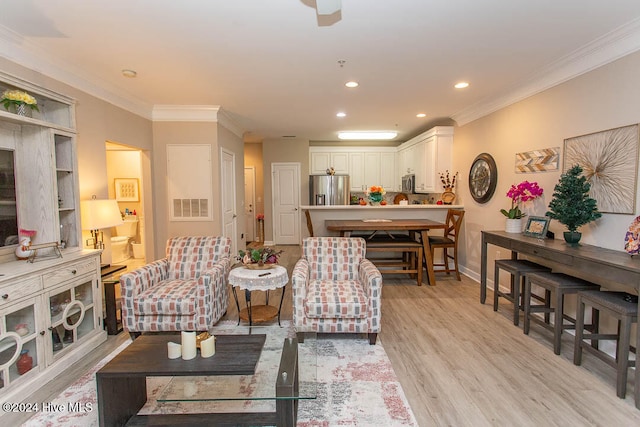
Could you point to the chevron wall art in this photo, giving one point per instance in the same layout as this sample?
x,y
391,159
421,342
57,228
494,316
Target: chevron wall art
x,y
546,159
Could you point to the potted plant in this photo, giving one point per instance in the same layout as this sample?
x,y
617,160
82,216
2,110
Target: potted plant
x,y
571,204
19,101
519,194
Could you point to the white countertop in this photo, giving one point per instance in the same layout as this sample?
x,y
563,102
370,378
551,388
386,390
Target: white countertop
x,y
385,207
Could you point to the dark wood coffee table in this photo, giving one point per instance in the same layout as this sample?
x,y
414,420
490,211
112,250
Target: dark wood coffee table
x,y
122,386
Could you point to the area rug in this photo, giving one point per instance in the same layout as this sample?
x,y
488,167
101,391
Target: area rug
x,y
356,386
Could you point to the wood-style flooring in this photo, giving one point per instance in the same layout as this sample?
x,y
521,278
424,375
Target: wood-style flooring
x,y
462,364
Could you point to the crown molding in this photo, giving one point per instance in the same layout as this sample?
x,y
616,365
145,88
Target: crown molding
x,y
229,123
29,55
185,113
603,50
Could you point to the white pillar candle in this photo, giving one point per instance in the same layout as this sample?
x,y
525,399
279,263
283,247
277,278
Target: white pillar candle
x,y
188,345
208,347
174,350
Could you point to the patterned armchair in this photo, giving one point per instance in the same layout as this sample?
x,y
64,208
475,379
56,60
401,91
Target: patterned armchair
x,y
335,288
186,291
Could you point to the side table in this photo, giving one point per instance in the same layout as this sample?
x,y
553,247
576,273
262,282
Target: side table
x,y
111,305
258,280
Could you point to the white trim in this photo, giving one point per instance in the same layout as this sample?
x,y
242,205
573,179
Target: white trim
x,y
185,113
603,50
229,123
24,52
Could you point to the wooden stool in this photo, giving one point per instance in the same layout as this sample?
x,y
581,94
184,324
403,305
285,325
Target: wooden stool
x,y
559,284
518,268
618,305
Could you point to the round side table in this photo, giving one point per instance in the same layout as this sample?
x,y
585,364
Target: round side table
x,y
258,280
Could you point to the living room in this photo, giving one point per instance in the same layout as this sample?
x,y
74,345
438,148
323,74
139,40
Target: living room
x,y
540,113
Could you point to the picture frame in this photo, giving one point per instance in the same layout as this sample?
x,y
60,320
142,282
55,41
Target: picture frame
x,y
127,189
537,226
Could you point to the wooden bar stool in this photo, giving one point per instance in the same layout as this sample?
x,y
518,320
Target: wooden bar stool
x,y
518,268
620,306
560,285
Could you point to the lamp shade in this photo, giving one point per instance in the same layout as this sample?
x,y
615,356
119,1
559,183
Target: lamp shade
x,y
100,213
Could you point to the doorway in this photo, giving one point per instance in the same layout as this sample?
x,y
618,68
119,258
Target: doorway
x,y
286,203
250,202
127,243
228,185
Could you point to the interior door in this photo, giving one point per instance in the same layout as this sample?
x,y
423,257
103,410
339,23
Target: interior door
x,y
250,202
286,202
228,185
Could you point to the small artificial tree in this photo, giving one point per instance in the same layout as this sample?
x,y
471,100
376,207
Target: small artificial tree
x,y
571,204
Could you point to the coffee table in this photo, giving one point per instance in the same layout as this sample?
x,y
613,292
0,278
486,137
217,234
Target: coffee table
x,y
278,368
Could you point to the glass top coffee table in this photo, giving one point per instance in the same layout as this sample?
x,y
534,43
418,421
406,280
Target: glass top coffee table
x,y
254,370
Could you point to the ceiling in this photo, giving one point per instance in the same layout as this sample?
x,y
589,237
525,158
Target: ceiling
x,y
273,65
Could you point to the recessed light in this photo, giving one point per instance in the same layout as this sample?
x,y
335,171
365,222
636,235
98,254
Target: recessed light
x,y
367,135
351,84
461,85
421,115
129,73
341,114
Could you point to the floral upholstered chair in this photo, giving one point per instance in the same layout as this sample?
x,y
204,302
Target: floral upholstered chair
x,y
335,288
186,291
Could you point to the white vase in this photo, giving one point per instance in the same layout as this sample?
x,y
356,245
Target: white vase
x,y
513,225
23,251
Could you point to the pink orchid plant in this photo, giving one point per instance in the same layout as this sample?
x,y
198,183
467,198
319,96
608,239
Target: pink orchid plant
x,y
523,192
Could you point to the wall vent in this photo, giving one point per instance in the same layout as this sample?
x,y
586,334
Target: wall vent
x,y
191,208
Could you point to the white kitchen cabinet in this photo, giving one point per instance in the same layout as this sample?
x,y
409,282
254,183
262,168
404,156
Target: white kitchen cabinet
x,y
427,155
357,171
388,177
366,166
321,160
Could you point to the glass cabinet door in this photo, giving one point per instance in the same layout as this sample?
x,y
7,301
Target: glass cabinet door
x,y
19,355
72,314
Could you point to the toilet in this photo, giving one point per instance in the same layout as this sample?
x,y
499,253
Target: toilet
x,y
120,243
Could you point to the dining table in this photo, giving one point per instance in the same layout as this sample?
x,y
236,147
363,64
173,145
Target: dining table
x,y
422,226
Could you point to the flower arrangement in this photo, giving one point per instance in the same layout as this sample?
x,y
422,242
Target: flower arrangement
x,y
447,181
375,193
259,256
523,192
18,97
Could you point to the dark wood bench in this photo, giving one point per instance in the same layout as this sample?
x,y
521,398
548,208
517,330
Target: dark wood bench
x,y
410,261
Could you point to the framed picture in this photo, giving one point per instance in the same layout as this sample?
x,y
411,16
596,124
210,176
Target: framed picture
x,y
537,226
609,161
127,190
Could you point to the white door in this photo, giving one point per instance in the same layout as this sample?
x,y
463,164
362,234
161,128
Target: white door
x,y
250,202
286,201
228,190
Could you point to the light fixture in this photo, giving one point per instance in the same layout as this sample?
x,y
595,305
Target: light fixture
x,y
367,135
98,214
461,85
421,115
352,84
341,114
129,73
328,7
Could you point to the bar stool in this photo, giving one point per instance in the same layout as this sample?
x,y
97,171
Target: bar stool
x,y
518,268
619,306
560,285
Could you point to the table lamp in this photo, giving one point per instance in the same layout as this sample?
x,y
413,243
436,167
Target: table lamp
x,y
98,214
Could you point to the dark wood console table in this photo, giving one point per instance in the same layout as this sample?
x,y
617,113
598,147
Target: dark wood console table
x,y
598,263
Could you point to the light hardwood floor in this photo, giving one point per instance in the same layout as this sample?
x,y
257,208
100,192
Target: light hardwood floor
x,y
462,364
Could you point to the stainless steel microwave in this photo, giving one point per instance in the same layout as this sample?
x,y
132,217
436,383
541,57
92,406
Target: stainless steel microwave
x,y
409,184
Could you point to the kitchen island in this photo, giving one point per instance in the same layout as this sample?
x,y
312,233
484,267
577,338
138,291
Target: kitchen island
x,y
319,214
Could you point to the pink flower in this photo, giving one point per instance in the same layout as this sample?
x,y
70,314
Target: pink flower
x,y
523,192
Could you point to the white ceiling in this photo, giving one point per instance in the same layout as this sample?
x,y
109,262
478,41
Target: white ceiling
x,y
272,65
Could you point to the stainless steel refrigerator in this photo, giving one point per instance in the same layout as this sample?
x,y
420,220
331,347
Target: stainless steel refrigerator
x,y
329,189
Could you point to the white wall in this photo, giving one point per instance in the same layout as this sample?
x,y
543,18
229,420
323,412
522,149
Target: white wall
x,y
605,98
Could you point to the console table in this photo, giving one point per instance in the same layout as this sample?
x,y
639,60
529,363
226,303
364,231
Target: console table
x,y
598,263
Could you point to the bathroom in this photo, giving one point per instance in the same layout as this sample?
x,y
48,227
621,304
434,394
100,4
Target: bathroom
x,y
124,174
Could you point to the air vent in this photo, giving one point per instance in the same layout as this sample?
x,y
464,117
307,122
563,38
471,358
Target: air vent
x,y
190,208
